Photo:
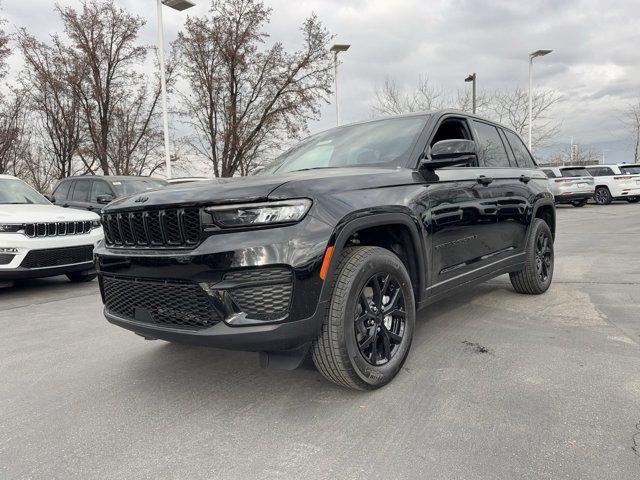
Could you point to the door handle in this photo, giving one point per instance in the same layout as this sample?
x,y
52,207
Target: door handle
x,y
482,180
525,178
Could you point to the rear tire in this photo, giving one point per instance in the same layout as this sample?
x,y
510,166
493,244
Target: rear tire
x,y
367,330
602,196
81,277
579,203
535,278
633,199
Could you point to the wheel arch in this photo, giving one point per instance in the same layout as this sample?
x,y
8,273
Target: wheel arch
x,y
369,230
546,211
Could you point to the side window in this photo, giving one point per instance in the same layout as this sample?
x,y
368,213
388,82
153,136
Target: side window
x,y
491,151
523,157
62,190
549,173
81,192
100,187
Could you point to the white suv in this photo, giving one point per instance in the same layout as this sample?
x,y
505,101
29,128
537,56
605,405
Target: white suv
x,y
38,239
570,184
616,182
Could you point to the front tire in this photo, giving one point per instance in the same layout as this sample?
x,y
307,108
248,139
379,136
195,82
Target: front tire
x,y
535,278
368,327
602,196
633,199
81,277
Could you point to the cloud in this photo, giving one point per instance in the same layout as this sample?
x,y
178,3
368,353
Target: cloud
x,y
594,65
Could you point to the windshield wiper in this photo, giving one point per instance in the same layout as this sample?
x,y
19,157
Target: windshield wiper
x,y
310,168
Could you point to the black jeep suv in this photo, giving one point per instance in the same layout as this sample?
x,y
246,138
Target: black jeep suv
x,y
332,248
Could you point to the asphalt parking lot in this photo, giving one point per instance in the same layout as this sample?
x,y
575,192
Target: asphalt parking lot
x,y
497,385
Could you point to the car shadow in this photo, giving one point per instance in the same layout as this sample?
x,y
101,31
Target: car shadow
x,y
228,375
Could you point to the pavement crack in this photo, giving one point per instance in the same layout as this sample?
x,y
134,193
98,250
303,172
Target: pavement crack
x,y
636,441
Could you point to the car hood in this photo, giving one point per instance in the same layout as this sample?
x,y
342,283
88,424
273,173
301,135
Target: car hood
x,y
263,187
42,213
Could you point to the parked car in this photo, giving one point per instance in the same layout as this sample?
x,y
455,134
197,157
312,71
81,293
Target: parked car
x,y
38,239
179,180
570,184
333,247
615,182
92,192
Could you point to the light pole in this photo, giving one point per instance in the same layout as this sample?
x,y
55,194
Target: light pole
x,y
176,5
532,55
337,48
472,78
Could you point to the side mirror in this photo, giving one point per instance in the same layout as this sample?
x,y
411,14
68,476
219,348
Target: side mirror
x,y
51,198
104,199
447,153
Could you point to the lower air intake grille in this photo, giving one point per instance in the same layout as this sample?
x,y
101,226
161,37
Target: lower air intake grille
x,y
6,258
167,303
267,293
55,257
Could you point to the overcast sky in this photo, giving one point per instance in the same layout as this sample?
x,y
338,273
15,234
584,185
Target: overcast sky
x,y
595,65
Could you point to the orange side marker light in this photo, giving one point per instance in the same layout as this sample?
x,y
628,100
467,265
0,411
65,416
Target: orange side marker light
x,y
325,262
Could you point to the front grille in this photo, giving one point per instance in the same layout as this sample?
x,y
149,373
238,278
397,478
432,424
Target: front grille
x,y
167,228
168,303
6,258
55,257
267,293
57,229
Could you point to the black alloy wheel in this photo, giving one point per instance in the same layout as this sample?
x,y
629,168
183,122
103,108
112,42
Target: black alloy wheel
x,y
380,319
544,256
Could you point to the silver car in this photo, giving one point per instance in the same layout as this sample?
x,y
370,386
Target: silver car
x,y
570,184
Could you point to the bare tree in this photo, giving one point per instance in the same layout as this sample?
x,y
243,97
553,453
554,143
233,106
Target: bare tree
x,y
12,131
511,108
390,99
102,38
579,156
243,98
48,79
135,135
632,119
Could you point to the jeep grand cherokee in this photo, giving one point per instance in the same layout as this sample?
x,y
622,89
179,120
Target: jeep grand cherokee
x,y
331,249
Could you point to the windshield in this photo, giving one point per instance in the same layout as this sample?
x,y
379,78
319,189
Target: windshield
x,y
630,169
15,192
136,185
380,143
575,172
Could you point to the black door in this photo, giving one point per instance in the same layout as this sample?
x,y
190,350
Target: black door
x,y
507,192
80,194
474,215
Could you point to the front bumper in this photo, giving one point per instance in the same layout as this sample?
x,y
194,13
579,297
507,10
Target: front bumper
x,y
213,295
23,248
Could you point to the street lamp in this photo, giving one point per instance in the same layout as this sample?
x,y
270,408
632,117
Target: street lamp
x,y
337,48
532,55
179,5
472,78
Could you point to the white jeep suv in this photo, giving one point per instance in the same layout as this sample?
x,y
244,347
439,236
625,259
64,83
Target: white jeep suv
x,y
616,182
38,239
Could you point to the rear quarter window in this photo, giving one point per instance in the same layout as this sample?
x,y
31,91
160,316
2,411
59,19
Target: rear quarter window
x,y
549,173
520,151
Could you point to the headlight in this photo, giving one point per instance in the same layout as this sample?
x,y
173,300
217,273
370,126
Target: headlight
x,y
260,214
95,224
10,228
